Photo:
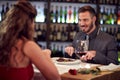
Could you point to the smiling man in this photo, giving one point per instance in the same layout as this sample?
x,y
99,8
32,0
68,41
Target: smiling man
x,y
102,47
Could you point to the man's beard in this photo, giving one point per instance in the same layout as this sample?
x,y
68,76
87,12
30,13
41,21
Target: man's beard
x,y
89,29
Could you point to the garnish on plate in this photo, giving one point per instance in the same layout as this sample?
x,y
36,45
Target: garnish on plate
x,y
95,71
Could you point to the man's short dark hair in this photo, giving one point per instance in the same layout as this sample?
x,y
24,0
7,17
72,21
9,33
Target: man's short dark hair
x,y
87,8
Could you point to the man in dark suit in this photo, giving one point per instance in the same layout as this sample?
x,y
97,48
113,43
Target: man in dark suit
x,y
102,46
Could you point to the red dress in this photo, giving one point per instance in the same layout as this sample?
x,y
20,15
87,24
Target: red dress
x,y
16,73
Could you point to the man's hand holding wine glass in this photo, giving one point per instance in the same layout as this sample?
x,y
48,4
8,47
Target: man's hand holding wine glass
x,y
88,56
81,51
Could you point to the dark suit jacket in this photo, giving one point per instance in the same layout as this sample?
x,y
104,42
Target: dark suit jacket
x,y
104,44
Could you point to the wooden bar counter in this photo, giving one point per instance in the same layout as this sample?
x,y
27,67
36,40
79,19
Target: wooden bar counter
x,y
108,75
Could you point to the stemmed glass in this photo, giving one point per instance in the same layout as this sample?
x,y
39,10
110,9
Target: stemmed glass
x,y
82,48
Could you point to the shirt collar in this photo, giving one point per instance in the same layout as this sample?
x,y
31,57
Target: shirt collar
x,y
91,35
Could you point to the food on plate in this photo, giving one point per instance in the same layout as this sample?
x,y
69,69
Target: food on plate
x,y
64,59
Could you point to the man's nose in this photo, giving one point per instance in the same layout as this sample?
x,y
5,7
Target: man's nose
x,y
82,22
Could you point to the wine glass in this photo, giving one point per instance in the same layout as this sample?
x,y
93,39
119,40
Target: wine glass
x,y
82,48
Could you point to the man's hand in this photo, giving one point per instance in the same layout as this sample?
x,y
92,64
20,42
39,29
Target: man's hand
x,y
69,50
88,56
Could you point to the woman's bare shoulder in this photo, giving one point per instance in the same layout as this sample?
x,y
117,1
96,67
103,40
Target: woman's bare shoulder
x,y
28,43
30,46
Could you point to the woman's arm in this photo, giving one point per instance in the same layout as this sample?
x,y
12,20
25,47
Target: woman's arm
x,y
41,59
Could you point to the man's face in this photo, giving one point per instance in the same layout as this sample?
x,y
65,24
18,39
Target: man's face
x,y
86,22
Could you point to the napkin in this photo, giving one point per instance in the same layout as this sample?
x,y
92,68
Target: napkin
x,y
109,67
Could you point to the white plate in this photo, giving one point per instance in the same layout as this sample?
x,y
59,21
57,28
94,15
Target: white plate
x,y
76,61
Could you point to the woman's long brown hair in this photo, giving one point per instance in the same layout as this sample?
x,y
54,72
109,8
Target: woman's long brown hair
x,y
16,23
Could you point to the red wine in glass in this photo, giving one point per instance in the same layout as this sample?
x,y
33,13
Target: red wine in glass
x,y
82,48
81,53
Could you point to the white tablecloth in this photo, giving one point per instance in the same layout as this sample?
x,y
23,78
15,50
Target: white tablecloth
x,y
63,68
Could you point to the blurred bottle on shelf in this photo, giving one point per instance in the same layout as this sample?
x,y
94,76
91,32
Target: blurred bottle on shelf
x,y
65,14
83,1
44,30
114,13
67,32
58,33
118,38
7,7
119,2
35,33
68,0
69,14
104,15
2,12
107,21
0,16
61,14
39,32
111,29
115,2
45,12
104,2
74,15
51,14
51,33
57,50
91,1
63,34
54,33
100,1
107,1
56,14
101,15
38,17
115,31
53,50
118,20
74,0
111,1
80,1
72,32
111,16
118,34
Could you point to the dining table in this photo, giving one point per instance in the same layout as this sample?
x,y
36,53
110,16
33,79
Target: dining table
x,y
107,72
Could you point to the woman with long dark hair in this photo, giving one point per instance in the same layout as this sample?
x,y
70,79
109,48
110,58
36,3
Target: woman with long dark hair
x,y
18,50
